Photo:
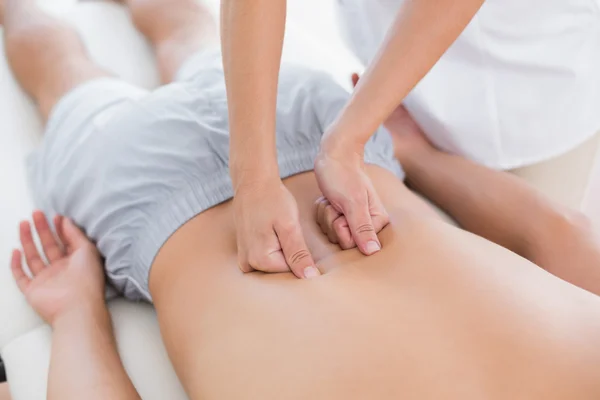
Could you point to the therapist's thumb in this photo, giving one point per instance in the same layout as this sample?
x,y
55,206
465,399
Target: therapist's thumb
x,y
296,251
363,230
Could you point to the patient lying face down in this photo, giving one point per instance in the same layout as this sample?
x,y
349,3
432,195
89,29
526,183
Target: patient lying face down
x,y
438,313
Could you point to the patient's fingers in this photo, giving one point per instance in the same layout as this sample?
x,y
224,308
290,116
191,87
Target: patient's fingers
x,y
73,236
59,221
16,267
50,246
32,256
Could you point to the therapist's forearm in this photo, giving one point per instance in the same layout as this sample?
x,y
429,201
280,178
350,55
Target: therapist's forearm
x,y
252,34
422,32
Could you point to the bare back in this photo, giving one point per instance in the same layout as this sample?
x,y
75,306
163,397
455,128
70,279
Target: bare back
x,y
438,313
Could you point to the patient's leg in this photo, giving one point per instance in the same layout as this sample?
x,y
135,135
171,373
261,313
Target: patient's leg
x,y
177,29
4,393
503,209
45,54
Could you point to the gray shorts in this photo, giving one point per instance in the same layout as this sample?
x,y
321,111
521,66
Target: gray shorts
x,y
131,166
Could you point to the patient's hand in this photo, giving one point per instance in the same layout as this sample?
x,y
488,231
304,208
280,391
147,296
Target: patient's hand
x,y
72,279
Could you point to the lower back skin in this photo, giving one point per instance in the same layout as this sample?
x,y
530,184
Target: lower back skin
x,y
437,313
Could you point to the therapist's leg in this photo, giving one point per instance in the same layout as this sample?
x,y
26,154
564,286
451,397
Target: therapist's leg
x,y
176,29
503,209
45,54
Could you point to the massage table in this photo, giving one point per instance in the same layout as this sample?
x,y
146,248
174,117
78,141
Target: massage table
x,y
112,41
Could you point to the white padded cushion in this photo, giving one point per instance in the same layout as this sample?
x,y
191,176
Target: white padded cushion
x,y
24,339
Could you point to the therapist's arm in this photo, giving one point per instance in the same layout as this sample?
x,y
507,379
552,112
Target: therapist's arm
x,y
422,32
252,38
68,293
269,236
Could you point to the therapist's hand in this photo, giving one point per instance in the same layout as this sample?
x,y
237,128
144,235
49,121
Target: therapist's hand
x,y
269,235
341,176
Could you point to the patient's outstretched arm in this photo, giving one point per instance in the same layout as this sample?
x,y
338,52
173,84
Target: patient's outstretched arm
x,y
500,207
68,293
4,393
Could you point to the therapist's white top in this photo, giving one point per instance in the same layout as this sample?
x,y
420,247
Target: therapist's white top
x,y
520,85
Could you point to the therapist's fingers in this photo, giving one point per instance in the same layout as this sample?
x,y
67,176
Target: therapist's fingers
x,y
379,215
320,204
325,216
365,219
296,251
333,224
262,252
330,215
343,234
